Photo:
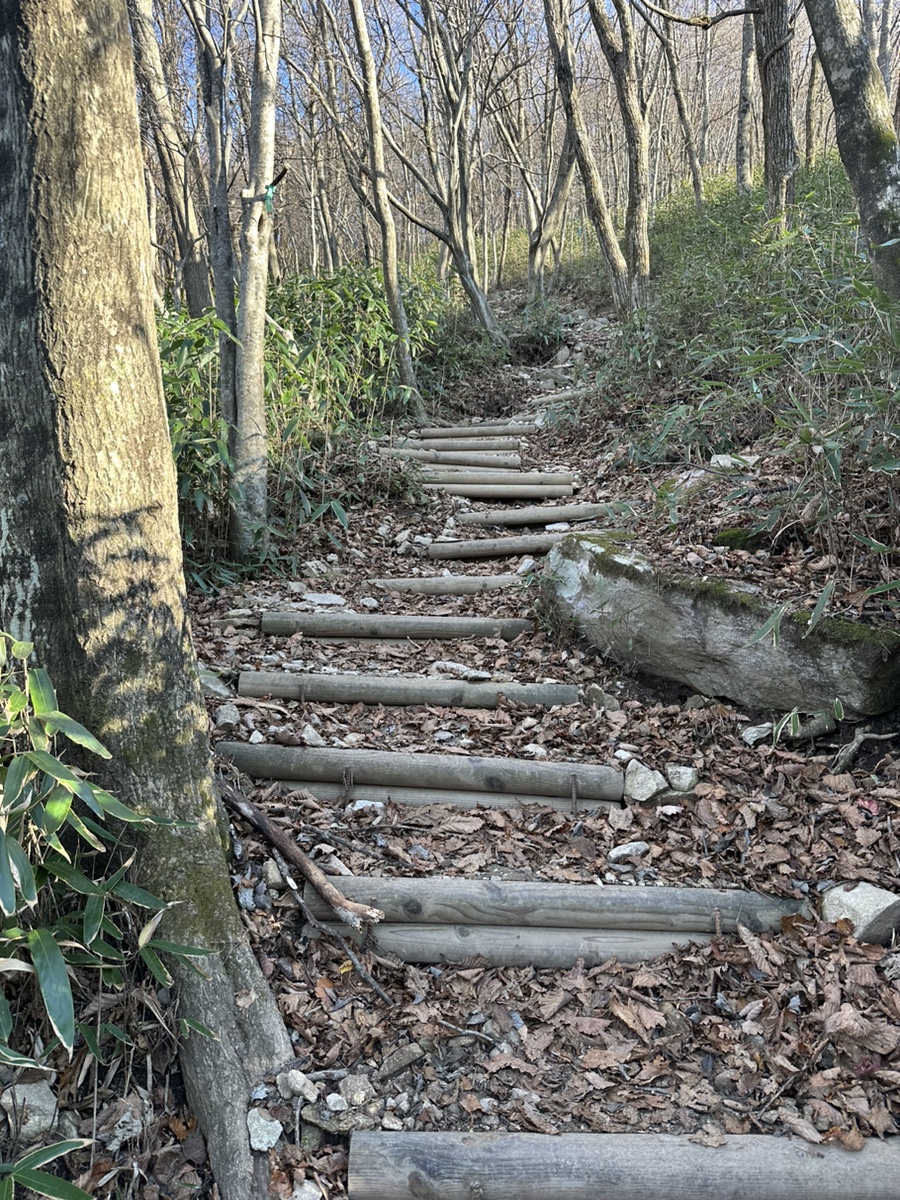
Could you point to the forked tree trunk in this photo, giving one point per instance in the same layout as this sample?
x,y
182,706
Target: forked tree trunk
x,y
549,225
865,133
90,561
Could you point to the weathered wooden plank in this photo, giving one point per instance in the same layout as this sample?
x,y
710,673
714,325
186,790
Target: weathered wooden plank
x,y
377,625
536,514
449,585
503,491
416,797
506,946
615,1166
453,771
400,690
511,547
487,430
462,475
464,443
539,904
471,458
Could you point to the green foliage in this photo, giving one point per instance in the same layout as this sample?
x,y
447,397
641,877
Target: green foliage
x,y
756,333
59,909
26,1173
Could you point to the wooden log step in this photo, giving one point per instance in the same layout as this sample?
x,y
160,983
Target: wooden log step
x,y
375,625
417,797
452,771
505,946
537,904
534,543
449,585
615,1166
470,458
461,475
486,430
400,690
503,491
494,444
537,514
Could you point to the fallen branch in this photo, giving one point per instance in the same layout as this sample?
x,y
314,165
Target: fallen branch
x,y
847,754
348,911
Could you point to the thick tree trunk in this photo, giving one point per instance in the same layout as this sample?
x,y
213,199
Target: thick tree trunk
x,y
248,532
384,212
774,34
90,564
865,133
744,139
549,225
168,138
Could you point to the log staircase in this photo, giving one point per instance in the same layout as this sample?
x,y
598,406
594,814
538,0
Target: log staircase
x,y
429,920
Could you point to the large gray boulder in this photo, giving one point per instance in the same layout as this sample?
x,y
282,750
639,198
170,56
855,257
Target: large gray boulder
x,y
699,632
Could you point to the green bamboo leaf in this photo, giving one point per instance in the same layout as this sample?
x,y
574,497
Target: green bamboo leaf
x,y
186,1024
41,692
89,1033
50,1185
40,1158
57,807
819,611
75,732
890,586
21,649
93,917
182,951
12,1058
56,770
7,1187
6,1021
157,970
83,831
150,928
76,880
53,980
772,625
137,895
23,872
7,883
115,1032
19,774
115,808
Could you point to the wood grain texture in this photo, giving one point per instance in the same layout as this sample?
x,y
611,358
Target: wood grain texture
x,y
510,547
535,514
614,1166
376,626
463,458
503,491
488,430
448,585
400,690
416,797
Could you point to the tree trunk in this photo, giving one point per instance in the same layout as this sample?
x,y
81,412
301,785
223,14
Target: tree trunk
x,y
774,34
90,563
558,14
744,140
167,136
865,133
809,123
248,533
550,223
384,212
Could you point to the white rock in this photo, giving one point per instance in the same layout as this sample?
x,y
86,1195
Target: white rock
x,y
423,539
31,1108
256,738
336,1103
357,806
628,850
264,1129
306,1190
272,876
558,527
526,566
301,1085
391,1122
682,779
228,717
213,686
535,750
324,598
642,783
357,1090
624,756
874,911
369,602
756,733
311,736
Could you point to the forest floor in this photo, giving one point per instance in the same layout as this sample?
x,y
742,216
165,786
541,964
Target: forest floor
x,y
795,1031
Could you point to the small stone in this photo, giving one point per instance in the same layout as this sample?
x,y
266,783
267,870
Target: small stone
x,y
756,733
336,1103
257,738
526,566
306,1190
642,783
622,755
682,779
558,527
601,699
228,717
628,850
398,1060
697,701
357,1090
32,1109
214,687
535,750
311,736
369,602
874,911
301,1085
423,539
324,598
272,876
245,899
358,806
264,1129
391,1122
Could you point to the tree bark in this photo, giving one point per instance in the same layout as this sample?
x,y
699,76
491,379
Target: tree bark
x,y
248,532
865,132
744,139
774,34
90,561
169,141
